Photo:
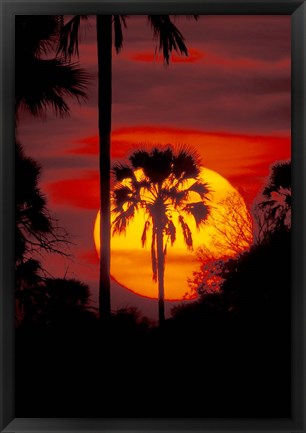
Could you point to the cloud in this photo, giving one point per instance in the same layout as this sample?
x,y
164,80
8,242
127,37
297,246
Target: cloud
x,y
89,146
67,163
81,192
259,37
224,93
229,98
251,178
194,55
90,257
240,84
209,58
242,159
124,139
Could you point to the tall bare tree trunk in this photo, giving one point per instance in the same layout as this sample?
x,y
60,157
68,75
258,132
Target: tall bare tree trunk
x,y
104,44
160,275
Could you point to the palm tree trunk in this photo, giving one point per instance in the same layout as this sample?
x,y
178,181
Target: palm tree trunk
x,y
104,44
160,275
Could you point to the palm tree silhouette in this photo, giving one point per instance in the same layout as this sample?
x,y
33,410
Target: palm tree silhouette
x,y
169,38
42,78
275,208
280,177
163,184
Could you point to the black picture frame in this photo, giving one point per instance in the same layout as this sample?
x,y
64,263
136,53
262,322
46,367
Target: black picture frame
x,y
297,11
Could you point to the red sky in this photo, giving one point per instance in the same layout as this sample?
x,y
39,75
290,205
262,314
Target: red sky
x,y
230,99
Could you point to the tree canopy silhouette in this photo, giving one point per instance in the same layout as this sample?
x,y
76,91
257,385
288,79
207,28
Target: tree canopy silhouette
x,y
258,281
163,184
35,228
273,208
233,234
36,231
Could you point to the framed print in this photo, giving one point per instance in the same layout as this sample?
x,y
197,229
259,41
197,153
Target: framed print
x,y
152,216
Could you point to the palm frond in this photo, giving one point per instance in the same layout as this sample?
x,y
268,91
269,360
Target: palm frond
x,y
171,231
50,81
160,165
186,233
280,177
186,163
199,211
176,196
195,17
35,35
179,196
200,188
169,36
155,164
121,172
139,159
119,21
69,37
120,223
144,233
137,185
122,196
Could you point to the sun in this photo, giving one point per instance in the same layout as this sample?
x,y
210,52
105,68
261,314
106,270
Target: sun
x,y
228,230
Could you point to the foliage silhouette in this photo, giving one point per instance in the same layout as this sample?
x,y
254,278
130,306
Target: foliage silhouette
x,y
54,303
199,360
169,39
249,282
248,320
129,322
214,357
42,78
273,209
258,282
36,231
164,184
233,229
66,304
28,294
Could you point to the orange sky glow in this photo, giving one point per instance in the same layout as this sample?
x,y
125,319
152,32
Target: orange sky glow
x,y
131,264
229,99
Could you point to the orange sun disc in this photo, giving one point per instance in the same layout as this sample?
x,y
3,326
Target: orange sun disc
x,y
221,237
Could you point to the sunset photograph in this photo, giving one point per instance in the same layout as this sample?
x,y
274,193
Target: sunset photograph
x,y
153,216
